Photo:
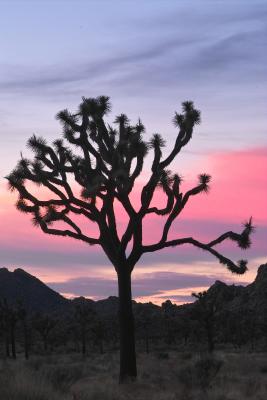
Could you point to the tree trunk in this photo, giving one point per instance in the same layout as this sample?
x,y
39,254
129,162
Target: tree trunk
x,y
83,341
126,321
45,343
101,347
210,337
7,344
147,343
26,341
13,343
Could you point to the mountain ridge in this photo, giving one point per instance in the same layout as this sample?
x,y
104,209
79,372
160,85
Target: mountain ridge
x,y
20,285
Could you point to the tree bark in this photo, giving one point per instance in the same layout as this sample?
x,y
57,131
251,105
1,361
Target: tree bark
x,y
128,370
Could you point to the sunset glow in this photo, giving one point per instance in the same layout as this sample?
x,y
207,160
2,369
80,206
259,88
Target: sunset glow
x,y
230,144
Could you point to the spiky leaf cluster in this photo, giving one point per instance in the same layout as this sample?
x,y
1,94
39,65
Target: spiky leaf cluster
x,y
204,180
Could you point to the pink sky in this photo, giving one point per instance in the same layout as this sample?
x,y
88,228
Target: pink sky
x,y
238,191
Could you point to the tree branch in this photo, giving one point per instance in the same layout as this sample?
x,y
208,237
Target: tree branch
x,y
59,232
239,268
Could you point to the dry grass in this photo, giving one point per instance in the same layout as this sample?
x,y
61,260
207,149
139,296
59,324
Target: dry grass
x,y
179,376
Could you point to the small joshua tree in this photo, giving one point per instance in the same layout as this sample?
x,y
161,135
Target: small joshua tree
x,y
9,321
23,317
98,171
44,325
206,314
84,316
4,325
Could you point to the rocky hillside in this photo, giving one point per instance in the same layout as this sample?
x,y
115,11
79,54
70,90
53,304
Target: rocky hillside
x,y
251,298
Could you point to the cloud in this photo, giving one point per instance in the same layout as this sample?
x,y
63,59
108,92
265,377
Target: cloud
x,y
143,285
92,70
180,299
163,61
240,52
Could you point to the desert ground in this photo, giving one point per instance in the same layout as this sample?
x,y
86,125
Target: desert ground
x,y
162,376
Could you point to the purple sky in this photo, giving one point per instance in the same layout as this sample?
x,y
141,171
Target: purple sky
x,y
148,57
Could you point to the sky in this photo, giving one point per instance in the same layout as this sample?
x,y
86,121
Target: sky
x,y
148,56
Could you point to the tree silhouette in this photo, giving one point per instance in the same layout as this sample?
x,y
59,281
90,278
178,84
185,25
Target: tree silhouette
x,y
23,317
9,318
98,172
170,321
144,319
206,314
4,319
99,333
44,325
83,316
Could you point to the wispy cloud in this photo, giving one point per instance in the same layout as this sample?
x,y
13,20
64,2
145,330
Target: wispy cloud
x,y
237,53
150,284
163,63
22,78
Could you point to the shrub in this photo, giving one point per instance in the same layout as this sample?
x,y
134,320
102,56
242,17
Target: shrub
x,y
25,386
63,376
206,369
201,373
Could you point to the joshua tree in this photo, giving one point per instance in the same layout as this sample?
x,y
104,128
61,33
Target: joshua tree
x,y
84,316
144,324
170,321
23,317
99,333
44,325
5,326
99,171
206,314
9,321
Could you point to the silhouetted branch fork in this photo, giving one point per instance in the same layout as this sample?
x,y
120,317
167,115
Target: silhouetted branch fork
x,y
169,204
239,268
24,207
243,239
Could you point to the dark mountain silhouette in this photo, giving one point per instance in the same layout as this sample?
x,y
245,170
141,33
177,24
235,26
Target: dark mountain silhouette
x,y
36,296
20,286
252,297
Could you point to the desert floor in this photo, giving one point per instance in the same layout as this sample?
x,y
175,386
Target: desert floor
x,y
162,376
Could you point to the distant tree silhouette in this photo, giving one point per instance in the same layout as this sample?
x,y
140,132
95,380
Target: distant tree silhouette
x,y
206,314
99,172
4,323
23,317
99,333
170,321
9,321
44,325
84,316
145,326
